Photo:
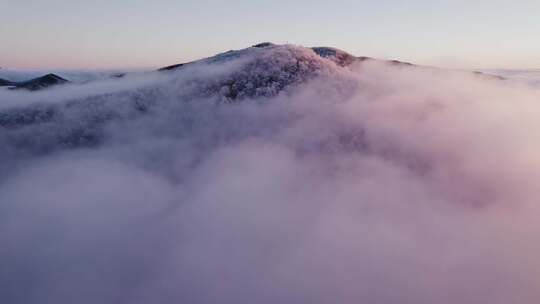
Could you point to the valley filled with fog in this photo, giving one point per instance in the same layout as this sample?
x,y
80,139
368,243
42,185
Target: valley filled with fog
x,y
272,174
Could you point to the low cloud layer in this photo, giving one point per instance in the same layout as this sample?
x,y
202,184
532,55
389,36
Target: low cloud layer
x,y
372,183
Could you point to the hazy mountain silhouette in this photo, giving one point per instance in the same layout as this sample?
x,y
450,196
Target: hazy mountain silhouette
x,y
35,84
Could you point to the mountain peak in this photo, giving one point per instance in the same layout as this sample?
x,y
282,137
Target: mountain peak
x,y
263,45
340,57
42,82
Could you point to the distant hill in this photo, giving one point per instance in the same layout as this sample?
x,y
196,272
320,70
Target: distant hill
x,y
35,84
4,82
171,67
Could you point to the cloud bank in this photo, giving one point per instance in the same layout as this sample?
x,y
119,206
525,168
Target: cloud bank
x,y
371,183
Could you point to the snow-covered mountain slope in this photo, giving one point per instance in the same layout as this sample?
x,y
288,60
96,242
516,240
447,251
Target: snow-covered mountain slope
x,y
250,73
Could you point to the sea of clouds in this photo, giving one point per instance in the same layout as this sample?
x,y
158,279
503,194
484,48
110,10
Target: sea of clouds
x,y
372,183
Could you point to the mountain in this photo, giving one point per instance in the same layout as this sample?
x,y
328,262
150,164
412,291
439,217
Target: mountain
x,y
336,55
4,82
268,69
340,57
171,67
41,82
35,84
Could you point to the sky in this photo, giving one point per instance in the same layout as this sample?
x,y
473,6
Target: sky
x,y
98,34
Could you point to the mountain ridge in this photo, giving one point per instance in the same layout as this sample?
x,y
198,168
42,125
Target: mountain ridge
x,y
34,84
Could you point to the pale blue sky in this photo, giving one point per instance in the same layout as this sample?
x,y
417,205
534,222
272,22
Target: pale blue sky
x,y
144,33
